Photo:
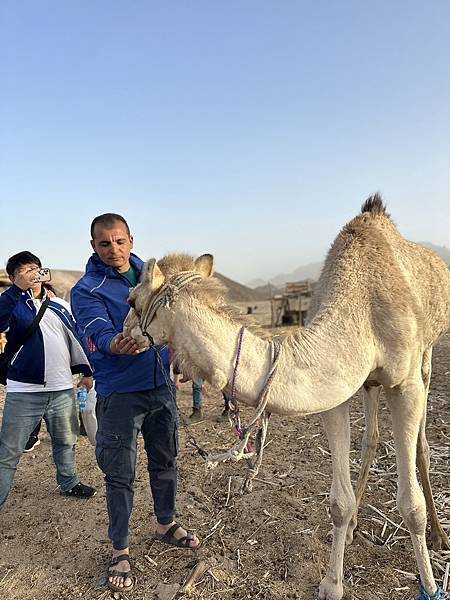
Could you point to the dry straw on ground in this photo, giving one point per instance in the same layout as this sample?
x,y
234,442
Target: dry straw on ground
x,y
269,545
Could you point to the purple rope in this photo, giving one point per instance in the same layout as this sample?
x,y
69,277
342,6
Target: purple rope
x,y
234,380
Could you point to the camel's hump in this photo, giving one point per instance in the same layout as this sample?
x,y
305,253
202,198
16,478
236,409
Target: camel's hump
x,y
375,205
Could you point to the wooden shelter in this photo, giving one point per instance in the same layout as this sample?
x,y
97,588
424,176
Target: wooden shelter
x,y
291,307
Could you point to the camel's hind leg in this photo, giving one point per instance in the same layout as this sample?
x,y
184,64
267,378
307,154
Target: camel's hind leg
x,y
439,538
342,498
407,403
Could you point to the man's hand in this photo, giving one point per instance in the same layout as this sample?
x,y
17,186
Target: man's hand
x,y
176,380
124,345
25,279
88,382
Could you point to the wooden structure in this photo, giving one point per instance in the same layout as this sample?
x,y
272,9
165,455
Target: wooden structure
x,y
290,307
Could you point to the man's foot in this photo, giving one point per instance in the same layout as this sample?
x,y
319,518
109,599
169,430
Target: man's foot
x,y
196,415
80,491
175,535
33,441
120,578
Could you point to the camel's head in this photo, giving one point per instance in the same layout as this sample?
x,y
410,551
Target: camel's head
x,y
152,300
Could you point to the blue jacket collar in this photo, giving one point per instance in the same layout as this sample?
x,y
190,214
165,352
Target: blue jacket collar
x,y
96,266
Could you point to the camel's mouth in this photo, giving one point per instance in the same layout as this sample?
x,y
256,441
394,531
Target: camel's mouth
x,y
132,328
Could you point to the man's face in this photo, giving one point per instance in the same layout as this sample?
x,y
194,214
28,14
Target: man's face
x,y
113,245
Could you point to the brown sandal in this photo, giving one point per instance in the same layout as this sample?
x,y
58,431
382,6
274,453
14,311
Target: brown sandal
x,y
125,574
169,538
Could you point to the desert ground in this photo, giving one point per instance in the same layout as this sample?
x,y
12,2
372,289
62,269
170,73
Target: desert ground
x,y
270,544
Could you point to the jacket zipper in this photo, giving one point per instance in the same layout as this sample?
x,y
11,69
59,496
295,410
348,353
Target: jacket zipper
x,y
13,360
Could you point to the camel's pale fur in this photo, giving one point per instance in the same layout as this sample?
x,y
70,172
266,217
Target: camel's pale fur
x,y
380,304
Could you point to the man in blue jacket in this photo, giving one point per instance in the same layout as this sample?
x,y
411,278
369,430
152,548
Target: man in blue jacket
x,y
39,380
133,395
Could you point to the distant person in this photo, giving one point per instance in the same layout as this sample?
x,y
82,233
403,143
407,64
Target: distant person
x,y
198,396
133,396
39,380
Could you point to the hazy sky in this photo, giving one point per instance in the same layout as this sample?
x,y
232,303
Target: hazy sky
x,y
250,129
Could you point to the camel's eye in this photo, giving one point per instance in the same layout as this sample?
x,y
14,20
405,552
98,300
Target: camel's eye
x,y
131,302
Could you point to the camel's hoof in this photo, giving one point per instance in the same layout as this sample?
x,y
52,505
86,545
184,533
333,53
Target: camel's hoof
x,y
329,590
247,487
438,595
440,541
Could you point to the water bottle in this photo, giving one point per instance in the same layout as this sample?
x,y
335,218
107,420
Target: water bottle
x,y
82,395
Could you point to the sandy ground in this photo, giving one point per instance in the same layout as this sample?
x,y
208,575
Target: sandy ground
x,y
270,544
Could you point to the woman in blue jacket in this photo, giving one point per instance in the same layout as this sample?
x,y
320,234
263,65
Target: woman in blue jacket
x,y
39,383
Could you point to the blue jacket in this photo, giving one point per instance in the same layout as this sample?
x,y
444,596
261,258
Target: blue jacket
x,y
17,311
99,303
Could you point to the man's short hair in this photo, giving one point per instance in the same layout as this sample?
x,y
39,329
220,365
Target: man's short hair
x,y
20,259
107,220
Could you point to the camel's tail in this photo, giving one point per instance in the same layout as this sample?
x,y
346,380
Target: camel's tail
x,y
375,205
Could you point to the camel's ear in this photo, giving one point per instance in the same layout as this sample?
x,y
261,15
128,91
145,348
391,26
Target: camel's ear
x,y
204,265
151,275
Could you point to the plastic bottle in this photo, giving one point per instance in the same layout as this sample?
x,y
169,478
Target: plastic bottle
x,y
82,395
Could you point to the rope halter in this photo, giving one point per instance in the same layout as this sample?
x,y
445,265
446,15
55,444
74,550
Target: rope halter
x,y
165,296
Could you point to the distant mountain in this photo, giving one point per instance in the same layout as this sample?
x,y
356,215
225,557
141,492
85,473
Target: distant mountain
x,y
240,293
255,283
63,282
268,290
312,271
441,251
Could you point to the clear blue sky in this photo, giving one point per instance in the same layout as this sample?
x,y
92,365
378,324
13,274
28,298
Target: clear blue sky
x,y
249,129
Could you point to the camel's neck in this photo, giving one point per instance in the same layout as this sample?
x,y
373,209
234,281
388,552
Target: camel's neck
x,y
206,344
319,368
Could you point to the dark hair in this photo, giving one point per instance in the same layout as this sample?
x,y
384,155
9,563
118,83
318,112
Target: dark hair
x,y
108,220
48,286
20,259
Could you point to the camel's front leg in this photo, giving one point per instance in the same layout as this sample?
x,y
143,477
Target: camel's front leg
x,y
342,498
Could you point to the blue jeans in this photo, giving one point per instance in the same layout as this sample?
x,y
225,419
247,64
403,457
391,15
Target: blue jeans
x,y
197,393
120,418
21,413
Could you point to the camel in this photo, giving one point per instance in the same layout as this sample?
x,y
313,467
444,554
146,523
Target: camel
x,y
380,305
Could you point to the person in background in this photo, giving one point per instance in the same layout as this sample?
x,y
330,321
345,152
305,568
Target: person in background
x,y
34,440
198,396
39,380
